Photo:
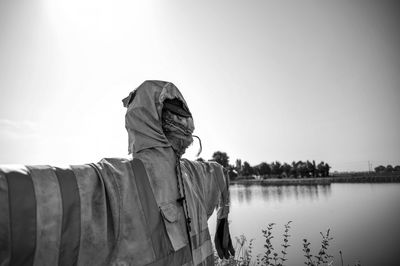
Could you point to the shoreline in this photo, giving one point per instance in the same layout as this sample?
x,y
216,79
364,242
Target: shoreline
x,y
317,180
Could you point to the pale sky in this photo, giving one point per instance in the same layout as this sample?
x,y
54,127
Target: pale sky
x,y
265,80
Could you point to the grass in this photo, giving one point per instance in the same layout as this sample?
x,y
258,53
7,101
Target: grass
x,y
277,256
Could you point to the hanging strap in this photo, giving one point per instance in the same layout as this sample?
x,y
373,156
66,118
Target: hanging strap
x,y
182,194
154,220
182,199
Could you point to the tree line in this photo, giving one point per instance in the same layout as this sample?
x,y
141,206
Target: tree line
x,y
387,169
299,169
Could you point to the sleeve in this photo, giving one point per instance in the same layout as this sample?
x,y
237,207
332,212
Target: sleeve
x,y
213,185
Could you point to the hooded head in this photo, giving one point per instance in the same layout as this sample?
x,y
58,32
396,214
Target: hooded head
x,y
158,116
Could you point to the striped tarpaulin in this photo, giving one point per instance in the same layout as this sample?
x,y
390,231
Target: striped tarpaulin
x,y
98,214
41,216
40,222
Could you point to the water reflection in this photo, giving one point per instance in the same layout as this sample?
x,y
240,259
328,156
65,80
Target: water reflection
x,y
363,219
247,193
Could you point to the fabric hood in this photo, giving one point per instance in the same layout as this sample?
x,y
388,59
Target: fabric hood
x,y
144,113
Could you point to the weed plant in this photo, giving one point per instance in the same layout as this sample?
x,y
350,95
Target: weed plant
x,y
322,258
274,257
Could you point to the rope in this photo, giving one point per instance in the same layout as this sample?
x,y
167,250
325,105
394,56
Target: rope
x,y
182,199
182,193
201,147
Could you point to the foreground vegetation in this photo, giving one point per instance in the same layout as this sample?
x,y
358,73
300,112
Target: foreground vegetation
x,y
277,256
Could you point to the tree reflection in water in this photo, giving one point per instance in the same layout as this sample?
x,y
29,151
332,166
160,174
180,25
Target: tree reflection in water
x,y
248,193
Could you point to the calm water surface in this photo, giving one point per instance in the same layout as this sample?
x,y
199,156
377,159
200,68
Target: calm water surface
x,y
364,219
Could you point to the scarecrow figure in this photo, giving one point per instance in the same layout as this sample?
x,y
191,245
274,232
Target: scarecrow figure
x,y
151,210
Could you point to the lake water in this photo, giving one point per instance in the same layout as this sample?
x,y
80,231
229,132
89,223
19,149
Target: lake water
x,y
364,219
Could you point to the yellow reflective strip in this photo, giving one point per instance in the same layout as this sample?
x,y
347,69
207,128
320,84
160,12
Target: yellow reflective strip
x,y
180,257
94,247
200,238
49,215
209,261
200,254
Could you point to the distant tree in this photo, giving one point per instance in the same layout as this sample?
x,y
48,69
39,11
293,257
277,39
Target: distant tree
x,y
286,168
380,169
255,170
232,172
276,168
310,168
314,169
397,168
294,171
327,167
302,168
264,169
238,166
221,157
321,169
389,169
247,170
200,160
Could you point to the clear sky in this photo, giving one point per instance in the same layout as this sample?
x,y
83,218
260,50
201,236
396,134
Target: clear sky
x,y
265,80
